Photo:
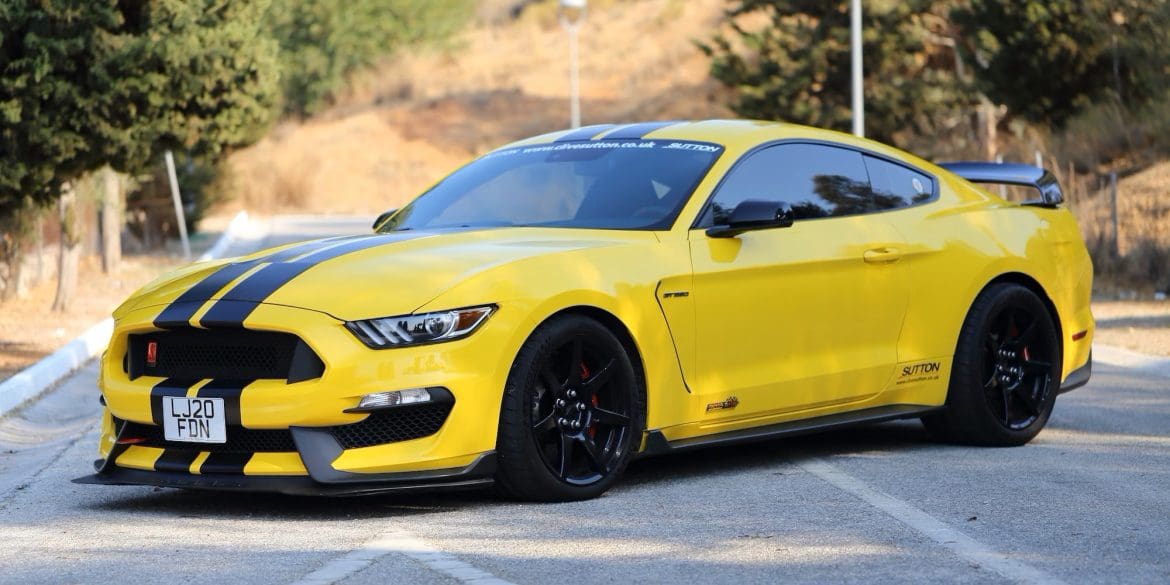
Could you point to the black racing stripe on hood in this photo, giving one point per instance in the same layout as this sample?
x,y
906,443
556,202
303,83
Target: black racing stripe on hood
x,y
239,302
309,247
180,311
584,133
636,131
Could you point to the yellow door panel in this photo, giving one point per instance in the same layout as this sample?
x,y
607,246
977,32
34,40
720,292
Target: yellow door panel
x,y
796,318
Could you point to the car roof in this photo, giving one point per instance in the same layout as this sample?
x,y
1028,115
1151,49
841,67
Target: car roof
x,y
725,132
736,136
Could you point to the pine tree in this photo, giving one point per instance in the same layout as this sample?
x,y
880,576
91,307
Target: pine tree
x,y
1048,60
93,82
323,42
797,68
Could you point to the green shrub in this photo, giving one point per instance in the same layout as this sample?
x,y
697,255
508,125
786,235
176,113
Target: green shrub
x,y
323,42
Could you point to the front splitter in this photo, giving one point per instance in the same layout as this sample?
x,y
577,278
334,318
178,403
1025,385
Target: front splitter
x,y
476,475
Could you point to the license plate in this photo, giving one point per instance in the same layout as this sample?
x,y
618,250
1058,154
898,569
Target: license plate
x,y
194,420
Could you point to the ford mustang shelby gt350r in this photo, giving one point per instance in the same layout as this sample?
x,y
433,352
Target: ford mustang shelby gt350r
x,y
568,302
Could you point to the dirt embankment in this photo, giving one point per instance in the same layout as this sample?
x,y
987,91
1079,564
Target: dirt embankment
x,y
419,116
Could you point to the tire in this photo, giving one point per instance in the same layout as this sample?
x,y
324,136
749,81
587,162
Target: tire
x,y
572,413
1006,371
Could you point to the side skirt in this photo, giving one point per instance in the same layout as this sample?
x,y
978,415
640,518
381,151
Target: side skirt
x,y
656,443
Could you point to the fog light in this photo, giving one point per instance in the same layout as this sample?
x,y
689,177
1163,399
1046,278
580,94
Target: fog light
x,y
397,398
388,399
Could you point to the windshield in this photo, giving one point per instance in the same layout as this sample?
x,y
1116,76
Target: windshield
x,y
638,184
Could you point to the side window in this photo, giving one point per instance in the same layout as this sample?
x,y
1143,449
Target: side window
x,y
815,180
897,186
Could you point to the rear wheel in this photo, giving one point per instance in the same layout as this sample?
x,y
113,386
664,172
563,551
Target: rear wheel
x,y
1006,371
571,413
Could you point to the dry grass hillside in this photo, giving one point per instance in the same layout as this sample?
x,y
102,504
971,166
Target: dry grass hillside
x,y
1143,213
1143,210
421,115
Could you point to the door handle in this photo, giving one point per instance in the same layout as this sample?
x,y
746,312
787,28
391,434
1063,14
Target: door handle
x,y
881,255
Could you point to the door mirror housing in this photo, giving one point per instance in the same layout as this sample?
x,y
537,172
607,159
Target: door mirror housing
x,y
754,214
383,217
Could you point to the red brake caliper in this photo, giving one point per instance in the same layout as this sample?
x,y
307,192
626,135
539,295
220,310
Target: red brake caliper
x,y
585,376
1015,331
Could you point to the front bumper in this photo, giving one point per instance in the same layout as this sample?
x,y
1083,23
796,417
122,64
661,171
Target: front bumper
x,y
477,475
309,470
304,435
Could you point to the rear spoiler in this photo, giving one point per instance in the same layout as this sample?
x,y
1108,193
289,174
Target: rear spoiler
x,y
1011,174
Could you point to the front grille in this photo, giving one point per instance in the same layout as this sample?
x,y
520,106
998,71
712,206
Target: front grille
x,y
237,354
239,440
393,425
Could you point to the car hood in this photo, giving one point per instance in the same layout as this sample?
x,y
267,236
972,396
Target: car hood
x,y
367,276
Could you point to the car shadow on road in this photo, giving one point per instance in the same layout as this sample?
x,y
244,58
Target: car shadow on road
x,y
900,436
641,474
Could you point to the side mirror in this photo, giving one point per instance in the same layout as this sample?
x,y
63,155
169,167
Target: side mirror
x,y
383,217
754,214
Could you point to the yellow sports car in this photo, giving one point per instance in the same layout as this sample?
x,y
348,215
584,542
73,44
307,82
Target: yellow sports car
x,y
566,303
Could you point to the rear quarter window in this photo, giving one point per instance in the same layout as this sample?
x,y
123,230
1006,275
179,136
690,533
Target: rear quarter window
x,y
896,186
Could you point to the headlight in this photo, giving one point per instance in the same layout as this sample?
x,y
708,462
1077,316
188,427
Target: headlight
x,y
406,330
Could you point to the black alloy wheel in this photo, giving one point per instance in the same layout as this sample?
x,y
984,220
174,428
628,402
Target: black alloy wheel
x,y
1006,371
571,414
1017,367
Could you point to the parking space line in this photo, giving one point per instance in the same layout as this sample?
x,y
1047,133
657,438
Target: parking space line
x,y
929,526
404,544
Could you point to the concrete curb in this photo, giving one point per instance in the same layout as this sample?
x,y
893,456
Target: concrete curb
x,y
34,380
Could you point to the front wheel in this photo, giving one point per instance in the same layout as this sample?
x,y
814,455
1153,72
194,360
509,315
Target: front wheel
x,y
1006,371
571,415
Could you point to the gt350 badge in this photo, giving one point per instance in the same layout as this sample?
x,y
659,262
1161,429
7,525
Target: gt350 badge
x,y
728,404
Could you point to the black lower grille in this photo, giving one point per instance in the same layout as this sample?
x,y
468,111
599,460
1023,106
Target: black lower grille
x,y
379,428
236,354
239,440
393,425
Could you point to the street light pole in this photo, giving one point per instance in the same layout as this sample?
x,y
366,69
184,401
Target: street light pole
x,y
571,14
574,81
858,89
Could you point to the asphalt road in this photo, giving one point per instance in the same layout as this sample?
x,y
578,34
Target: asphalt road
x,y
1087,502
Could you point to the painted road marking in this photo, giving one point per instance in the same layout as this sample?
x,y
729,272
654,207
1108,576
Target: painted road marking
x,y
404,544
929,526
